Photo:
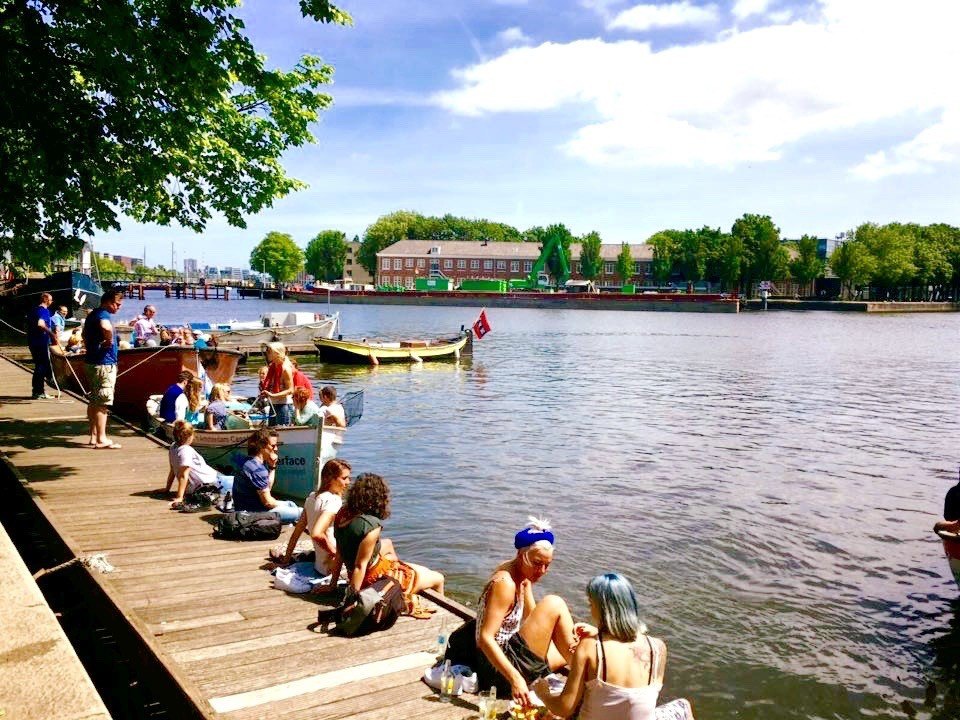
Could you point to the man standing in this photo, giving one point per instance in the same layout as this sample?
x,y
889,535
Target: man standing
x,y
101,362
39,335
252,486
145,328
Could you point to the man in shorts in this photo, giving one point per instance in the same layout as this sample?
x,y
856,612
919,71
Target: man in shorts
x,y
101,363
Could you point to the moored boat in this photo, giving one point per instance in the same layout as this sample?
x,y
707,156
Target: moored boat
x,y
79,292
290,328
951,546
141,372
338,350
303,449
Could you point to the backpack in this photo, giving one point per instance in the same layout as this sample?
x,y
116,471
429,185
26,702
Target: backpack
x,y
245,525
376,608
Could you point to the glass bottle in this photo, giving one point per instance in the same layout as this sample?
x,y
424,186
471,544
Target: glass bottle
x,y
446,683
442,638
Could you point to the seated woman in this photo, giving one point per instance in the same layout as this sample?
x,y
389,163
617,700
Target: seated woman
x,y
520,640
305,410
319,510
195,401
217,412
617,670
188,468
253,486
363,552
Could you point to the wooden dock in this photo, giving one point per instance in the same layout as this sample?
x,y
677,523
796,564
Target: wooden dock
x,y
236,648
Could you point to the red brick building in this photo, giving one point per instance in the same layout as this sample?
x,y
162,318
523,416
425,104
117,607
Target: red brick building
x,y
406,260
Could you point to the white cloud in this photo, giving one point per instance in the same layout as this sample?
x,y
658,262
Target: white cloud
x,y
679,14
747,95
512,36
745,8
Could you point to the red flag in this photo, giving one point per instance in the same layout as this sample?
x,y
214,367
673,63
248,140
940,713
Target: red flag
x,y
481,327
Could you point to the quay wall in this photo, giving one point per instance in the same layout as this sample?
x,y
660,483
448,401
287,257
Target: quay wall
x,y
852,306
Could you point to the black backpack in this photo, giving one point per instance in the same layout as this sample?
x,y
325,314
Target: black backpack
x,y
245,525
207,495
375,608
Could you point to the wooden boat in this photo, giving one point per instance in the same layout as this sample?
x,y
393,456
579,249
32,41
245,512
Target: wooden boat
x,y
376,352
141,372
951,546
303,452
290,328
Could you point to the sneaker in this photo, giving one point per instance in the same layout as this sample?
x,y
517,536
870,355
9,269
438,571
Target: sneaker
x,y
43,396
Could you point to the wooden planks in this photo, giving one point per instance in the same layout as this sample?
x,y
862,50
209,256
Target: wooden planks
x,y
239,647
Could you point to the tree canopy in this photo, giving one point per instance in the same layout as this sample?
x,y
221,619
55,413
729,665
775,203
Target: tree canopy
x,y
163,111
590,262
326,255
624,263
279,256
807,265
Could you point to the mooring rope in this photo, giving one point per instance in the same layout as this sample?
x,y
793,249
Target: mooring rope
x,y
97,561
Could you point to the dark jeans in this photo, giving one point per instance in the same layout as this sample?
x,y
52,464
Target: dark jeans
x,y
284,415
41,368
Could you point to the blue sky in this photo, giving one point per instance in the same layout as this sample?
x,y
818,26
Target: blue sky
x,y
613,116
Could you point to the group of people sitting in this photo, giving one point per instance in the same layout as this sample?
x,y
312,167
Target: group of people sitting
x,y
285,392
147,333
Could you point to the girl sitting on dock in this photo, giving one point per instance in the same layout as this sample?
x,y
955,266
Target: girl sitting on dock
x,y
187,466
365,554
319,510
617,669
517,638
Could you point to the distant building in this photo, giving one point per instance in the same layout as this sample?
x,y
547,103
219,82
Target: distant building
x,y
189,267
129,263
352,269
404,261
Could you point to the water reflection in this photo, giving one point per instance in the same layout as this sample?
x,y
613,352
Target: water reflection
x,y
766,481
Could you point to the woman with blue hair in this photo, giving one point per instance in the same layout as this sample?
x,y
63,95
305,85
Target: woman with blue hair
x,y
518,638
617,669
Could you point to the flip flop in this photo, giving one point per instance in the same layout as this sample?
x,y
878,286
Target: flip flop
x,y
111,446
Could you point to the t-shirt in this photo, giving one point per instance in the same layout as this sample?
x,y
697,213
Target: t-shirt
x,y
336,410
57,323
145,329
951,503
315,506
352,534
173,404
218,408
93,336
310,415
253,478
185,456
300,379
37,336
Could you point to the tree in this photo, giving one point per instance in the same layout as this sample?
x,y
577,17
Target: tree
x,y
277,255
932,257
326,255
728,261
624,264
891,247
764,257
664,255
590,262
853,264
385,231
163,111
807,265
109,266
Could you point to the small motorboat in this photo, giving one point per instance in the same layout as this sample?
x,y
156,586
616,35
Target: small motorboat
x,y
303,452
143,371
290,328
951,546
338,350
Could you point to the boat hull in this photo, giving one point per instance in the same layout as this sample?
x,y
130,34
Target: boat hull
x,y
299,335
79,292
303,451
142,372
951,547
352,352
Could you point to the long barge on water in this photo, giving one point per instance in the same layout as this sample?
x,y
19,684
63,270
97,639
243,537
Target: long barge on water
x,y
669,302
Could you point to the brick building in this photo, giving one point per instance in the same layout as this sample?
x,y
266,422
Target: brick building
x,y
406,260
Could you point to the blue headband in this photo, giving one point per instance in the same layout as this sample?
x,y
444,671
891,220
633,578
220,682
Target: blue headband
x,y
528,536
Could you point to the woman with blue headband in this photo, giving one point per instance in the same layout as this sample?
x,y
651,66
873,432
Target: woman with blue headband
x,y
617,669
519,639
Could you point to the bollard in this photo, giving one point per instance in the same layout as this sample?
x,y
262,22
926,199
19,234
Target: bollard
x,y
226,293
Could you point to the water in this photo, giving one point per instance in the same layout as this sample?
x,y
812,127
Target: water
x,y
767,481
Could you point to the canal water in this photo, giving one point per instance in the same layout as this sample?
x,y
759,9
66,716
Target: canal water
x,y
767,481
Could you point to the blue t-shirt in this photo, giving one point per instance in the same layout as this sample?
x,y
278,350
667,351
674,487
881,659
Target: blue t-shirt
x,y
57,321
253,478
168,403
37,337
93,336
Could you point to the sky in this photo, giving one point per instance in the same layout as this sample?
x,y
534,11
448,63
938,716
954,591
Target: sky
x,y
612,116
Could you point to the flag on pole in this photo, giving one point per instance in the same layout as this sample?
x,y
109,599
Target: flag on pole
x,y
481,327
